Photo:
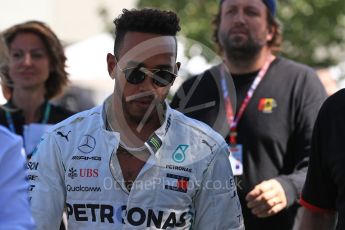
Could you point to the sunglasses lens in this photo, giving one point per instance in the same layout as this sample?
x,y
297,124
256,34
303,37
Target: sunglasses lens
x,y
134,76
163,78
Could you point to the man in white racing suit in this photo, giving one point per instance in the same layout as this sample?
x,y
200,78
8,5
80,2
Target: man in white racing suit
x,y
133,162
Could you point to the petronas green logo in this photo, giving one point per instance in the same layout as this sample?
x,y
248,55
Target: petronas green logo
x,y
179,154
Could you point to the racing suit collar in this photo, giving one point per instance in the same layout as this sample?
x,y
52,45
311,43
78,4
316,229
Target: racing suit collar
x,y
155,141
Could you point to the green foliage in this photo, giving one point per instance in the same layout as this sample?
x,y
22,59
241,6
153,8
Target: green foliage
x,y
195,18
313,30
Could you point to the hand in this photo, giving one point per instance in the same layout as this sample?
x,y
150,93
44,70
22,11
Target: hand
x,y
266,199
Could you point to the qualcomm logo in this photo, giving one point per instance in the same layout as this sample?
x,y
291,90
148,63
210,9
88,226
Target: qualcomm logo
x,y
179,154
88,144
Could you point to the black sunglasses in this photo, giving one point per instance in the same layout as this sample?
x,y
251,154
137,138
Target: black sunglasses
x,y
160,77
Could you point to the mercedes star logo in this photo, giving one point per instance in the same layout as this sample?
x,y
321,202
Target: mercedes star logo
x,y
88,144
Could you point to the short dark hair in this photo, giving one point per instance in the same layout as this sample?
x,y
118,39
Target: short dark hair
x,y
277,38
154,21
58,76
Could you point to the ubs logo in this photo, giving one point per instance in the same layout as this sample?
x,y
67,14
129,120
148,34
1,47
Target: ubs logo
x,y
87,144
72,173
85,172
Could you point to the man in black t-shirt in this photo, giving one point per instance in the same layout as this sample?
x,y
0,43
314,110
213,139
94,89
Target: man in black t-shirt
x,y
271,125
324,190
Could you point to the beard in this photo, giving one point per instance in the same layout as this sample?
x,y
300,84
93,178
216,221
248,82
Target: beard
x,y
143,115
136,115
238,49
141,108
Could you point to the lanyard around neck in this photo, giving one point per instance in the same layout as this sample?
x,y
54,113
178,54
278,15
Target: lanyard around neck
x,y
44,121
233,120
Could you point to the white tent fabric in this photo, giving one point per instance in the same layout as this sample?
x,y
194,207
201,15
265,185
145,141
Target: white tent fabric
x,y
86,60
87,65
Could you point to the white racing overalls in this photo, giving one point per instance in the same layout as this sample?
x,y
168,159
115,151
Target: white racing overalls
x,y
187,182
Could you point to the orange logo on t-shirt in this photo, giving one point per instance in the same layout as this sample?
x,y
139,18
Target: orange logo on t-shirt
x,y
266,105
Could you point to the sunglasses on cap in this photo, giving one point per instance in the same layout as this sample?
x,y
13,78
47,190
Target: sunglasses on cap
x,y
136,75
